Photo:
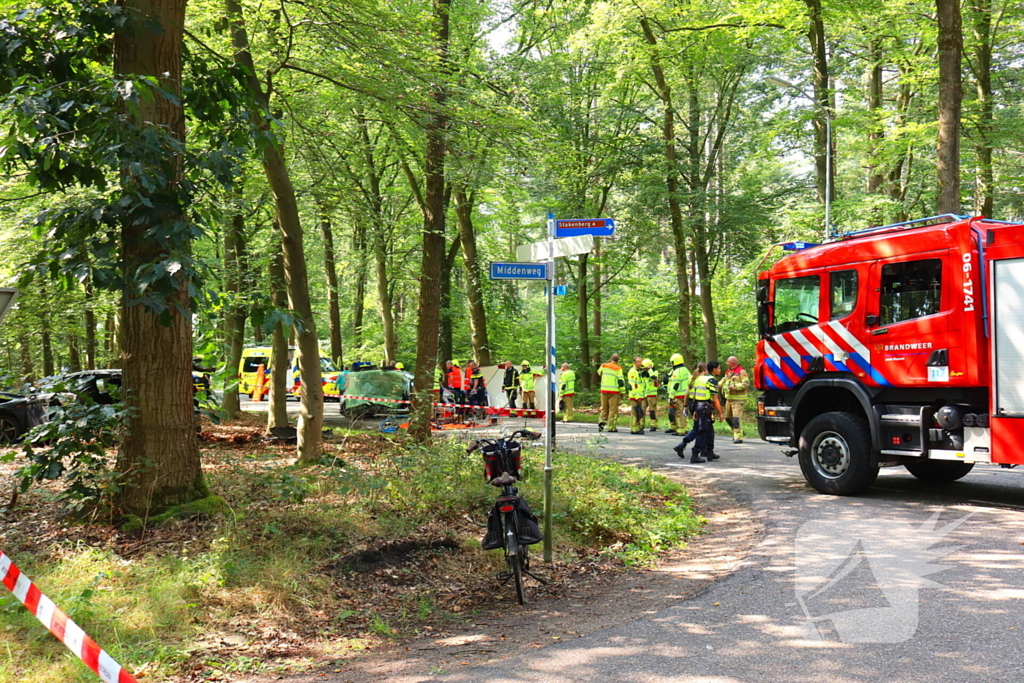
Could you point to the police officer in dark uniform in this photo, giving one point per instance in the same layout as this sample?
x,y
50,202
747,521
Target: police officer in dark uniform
x,y
704,401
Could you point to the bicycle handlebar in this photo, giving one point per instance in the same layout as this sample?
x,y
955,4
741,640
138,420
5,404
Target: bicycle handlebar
x,y
519,432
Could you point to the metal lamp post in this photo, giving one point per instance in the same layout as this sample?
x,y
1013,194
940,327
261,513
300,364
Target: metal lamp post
x,y
828,146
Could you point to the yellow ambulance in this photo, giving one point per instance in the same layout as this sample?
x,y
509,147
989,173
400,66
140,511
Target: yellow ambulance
x,y
255,356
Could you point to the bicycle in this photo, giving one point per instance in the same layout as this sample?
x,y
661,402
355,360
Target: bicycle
x,y
511,525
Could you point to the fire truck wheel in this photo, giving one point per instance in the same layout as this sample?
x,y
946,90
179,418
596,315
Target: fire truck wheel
x,y
939,470
835,454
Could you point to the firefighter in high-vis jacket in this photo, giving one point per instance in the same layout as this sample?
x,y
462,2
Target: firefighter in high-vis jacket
x,y
567,391
637,381
510,385
613,385
678,385
528,383
734,386
653,386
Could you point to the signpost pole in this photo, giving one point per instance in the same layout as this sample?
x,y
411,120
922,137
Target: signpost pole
x,y
552,402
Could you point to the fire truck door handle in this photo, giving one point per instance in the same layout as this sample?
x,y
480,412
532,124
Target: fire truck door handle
x,y
884,330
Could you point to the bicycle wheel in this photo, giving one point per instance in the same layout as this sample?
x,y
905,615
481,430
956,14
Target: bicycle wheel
x,y
513,555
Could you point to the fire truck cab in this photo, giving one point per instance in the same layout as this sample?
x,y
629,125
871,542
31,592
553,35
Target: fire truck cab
x,y
896,345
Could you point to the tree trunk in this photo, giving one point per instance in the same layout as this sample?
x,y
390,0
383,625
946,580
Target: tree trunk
x,y
474,280
331,269
387,309
672,186
583,322
74,354
819,53
45,338
90,326
984,185
28,372
429,307
234,312
899,172
947,147
159,456
311,412
280,378
359,295
876,179
445,348
375,198
112,341
445,342
698,200
47,344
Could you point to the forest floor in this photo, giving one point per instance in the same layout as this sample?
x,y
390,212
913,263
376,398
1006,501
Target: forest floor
x,y
298,581
605,597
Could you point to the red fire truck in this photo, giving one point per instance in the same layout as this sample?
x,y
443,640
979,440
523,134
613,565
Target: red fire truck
x,y
896,345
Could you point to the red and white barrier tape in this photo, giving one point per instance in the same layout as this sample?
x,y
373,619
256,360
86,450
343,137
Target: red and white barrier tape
x,y
66,631
373,399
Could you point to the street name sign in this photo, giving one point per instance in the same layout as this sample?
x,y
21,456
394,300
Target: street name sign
x,y
567,246
518,271
599,227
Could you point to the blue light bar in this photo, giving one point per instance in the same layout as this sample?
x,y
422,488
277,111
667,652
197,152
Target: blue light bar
x,y
798,246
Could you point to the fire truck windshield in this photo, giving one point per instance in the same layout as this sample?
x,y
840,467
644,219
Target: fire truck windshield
x,y
796,303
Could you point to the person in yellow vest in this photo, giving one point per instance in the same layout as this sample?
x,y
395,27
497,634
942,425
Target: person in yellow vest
x,y
734,386
653,385
566,391
528,384
678,386
613,385
637,380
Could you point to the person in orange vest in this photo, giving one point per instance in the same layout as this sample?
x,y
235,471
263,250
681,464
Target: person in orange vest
x,y
457,383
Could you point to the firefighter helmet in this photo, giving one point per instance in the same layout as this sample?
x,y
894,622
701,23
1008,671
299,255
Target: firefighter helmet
x,y
676,359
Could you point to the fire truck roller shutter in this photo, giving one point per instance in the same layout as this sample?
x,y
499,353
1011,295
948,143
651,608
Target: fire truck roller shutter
x,y
1007,421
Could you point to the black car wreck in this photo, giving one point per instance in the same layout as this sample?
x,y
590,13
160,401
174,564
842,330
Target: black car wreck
x,y
18,413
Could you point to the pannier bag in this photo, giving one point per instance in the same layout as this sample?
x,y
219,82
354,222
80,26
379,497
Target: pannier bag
x,y
492,461
529,526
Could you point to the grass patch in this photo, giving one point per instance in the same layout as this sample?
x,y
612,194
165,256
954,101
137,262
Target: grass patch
x,y
380,541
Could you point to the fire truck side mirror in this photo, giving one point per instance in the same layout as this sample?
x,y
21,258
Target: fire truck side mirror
x,y
871,320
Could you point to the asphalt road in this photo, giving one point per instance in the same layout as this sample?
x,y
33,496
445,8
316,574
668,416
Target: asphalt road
x,y
834,591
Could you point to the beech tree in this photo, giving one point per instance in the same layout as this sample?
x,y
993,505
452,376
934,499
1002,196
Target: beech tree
x,y
120,139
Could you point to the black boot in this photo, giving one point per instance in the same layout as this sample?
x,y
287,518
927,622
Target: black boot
x,y
696,459
680,449
712,456
600,426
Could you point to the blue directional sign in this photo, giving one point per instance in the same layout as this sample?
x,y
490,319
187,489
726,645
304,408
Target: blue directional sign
x,y
599,227
519,271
